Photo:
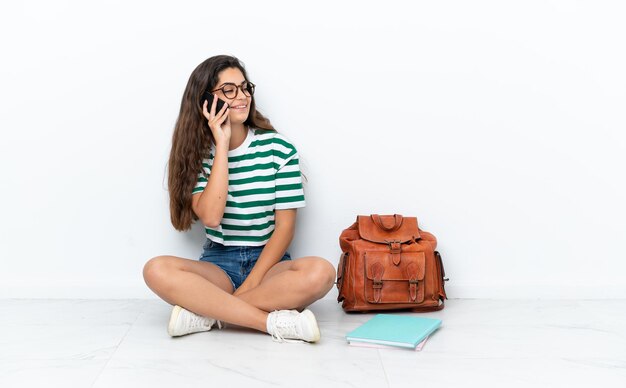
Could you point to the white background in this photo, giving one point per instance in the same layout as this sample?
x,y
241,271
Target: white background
x,y
500,125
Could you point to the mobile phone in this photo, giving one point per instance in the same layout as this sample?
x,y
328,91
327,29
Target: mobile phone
x,y
209,97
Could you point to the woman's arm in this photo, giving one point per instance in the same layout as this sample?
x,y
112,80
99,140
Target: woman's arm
x,y
274,249
209,204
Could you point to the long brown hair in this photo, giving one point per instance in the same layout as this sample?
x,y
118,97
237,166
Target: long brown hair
x,y
192,137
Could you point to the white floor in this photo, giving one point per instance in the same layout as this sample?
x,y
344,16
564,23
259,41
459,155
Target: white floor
x,y
486,343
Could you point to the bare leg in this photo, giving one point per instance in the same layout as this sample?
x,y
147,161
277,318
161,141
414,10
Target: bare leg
x,y
292,284
202,288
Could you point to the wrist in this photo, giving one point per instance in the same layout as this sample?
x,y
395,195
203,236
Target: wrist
x,y
222,146
253,279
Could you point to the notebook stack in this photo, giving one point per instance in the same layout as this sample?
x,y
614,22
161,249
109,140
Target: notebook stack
x,y
394,331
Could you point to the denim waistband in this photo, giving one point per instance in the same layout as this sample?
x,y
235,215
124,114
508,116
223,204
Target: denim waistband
x,y
242,252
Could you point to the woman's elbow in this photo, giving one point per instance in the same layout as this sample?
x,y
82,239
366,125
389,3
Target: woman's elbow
x,y
211,222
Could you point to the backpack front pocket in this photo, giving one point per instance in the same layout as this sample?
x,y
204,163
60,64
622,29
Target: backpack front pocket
x,y
388,282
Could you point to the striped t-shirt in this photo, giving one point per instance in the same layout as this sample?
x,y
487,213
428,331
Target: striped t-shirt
x,y
263,175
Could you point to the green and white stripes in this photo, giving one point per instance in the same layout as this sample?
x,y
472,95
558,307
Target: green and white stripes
x,y
263,175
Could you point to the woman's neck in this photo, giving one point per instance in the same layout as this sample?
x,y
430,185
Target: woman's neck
x,y
238,135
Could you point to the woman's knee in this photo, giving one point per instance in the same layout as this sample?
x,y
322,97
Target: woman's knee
x,y
156,269
321,275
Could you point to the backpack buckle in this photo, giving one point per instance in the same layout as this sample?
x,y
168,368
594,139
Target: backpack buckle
x,y
395,246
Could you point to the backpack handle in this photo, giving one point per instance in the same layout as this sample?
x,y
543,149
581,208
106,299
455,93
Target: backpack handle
x,y
379,222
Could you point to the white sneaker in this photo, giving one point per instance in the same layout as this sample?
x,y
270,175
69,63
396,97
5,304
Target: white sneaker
x,y
185,322
284,325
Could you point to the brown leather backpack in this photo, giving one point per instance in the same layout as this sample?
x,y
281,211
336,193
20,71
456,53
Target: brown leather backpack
x,y
389,263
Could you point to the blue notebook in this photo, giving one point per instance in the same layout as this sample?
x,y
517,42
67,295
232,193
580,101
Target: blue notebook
x,y
394,330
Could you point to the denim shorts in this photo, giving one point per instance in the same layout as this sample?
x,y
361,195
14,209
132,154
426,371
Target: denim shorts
x,y
236,261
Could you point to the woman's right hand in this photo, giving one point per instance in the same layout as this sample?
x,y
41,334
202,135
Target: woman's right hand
x,y
218,122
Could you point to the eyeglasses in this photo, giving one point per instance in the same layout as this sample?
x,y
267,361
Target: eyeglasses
x,y
231,91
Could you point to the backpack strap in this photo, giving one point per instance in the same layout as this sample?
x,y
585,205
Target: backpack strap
x,y
412,276
377,270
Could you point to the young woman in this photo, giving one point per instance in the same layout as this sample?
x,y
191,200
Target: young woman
x,y
231,170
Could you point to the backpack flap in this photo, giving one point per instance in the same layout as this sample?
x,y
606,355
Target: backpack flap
x,y
384,229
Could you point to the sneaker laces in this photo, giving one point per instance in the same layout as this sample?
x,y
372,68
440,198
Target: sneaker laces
x,y
283,324
200,322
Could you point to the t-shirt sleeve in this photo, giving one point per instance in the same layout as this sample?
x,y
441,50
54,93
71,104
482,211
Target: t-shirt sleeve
x,y
289,190
203,177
